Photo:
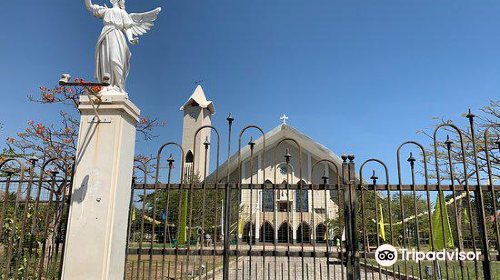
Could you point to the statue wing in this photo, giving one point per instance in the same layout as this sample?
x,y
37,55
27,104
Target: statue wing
x,y
143,21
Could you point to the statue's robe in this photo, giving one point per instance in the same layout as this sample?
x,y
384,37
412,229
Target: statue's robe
x,y
112,55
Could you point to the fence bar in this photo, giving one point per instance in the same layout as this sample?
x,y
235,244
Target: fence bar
x,y
227,207
480,205
306,250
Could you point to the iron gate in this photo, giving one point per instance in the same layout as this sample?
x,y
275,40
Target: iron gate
x,y
34,207
200,229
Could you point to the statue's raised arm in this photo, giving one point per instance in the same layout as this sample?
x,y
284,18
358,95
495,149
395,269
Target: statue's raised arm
x,y
112,52
88,4
96,10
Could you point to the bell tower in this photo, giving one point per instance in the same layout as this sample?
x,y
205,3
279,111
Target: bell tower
x,y
197,113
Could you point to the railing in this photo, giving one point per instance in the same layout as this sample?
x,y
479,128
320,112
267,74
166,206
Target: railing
x,y
167,256
332,228
34,202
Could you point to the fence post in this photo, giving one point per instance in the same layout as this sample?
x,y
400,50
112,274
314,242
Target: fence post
x,y
350,215
227,230
100,199
354,218
227,207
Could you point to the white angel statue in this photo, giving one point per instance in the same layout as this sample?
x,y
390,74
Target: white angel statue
x,y
112,55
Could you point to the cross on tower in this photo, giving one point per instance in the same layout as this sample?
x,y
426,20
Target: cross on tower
x,y
284,118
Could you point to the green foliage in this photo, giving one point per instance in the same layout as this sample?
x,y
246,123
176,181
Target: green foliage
x,y
463,226
202,209
22,237
394,233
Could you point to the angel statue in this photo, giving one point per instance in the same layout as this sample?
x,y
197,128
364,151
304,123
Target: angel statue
x,y
112,55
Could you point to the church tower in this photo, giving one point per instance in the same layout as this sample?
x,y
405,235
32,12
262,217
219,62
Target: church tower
x,y
197,113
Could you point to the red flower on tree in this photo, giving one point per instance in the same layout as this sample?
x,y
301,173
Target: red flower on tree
x,y
59,139
48,98
95,89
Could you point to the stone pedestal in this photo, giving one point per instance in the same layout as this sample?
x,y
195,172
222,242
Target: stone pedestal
x,y
98,217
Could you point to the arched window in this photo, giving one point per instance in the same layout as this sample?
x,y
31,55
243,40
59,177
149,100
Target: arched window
x,y
304,233
285,234
321,233
189,157
267,198
266,233
301,196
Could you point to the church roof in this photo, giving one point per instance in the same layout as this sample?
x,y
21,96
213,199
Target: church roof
x,y
272,138
199,98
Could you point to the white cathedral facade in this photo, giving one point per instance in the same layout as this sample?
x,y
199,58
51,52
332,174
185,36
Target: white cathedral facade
x,y
268,215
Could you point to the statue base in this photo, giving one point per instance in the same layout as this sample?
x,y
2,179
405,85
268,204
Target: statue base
x,y
112,91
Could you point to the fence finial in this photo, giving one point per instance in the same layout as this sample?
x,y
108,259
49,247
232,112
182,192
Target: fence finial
x,y
470,116
350,157
344,157
230,119
448,142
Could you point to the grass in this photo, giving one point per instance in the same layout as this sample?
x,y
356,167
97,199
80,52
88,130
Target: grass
x,y
165,265
454,270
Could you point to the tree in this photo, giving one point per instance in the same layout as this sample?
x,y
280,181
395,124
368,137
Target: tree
x,y
488,115
199,209
59,139
450,167
409,211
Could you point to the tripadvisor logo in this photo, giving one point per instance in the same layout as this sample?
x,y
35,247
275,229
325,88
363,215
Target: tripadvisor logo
x,y
387,255
451,255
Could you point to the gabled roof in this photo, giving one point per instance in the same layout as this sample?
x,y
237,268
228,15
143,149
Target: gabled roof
x,y
272,138
199,98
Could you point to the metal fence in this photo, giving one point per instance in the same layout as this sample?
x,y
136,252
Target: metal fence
x,y
198,229
34,204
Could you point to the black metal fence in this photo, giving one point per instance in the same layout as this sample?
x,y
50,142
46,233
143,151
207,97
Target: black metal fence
x,y
34,207
197,229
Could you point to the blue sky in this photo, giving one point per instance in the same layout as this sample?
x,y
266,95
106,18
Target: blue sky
x,y
357,76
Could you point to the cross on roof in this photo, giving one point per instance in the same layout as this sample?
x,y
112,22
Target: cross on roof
x,y
284,118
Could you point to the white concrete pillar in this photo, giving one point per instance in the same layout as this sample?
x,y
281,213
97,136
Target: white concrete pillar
x,y
98,216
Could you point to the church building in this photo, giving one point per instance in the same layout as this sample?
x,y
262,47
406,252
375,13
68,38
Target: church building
x,y
298,218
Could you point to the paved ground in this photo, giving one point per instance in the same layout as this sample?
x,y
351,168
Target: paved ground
x,y
284,269
279,268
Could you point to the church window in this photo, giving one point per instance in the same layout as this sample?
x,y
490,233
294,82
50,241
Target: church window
x,y
284,169
267,198
321,233
285,234
304,233
304,198
189,157
266,232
